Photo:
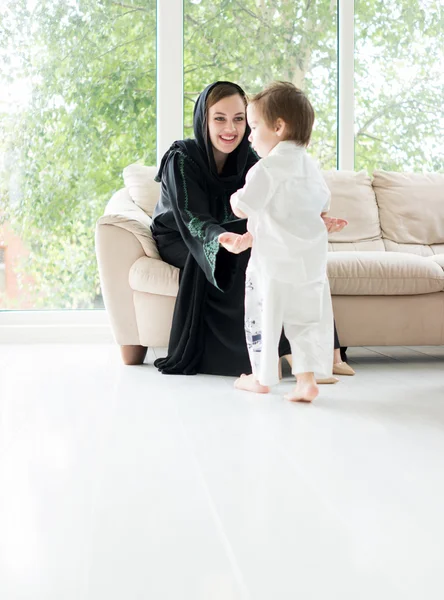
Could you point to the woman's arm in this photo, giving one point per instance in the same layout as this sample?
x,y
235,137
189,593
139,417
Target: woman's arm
x,y
200,230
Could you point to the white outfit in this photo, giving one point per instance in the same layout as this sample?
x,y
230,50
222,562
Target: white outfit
x,y
286,284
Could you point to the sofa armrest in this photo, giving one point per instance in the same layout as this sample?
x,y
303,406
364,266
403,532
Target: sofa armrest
x,y
123,236
122,212
117,250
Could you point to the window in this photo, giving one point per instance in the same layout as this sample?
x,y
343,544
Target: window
x,y
253,43
2,270
78,85
399,85
77,104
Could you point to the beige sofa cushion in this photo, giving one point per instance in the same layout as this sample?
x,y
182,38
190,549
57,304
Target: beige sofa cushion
x,y
383,274
139,180
154,276
350,274
411,206
370,246
438,259
353,198
419,249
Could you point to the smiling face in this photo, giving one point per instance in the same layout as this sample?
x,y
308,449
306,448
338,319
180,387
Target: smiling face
x,y
226,125
263,138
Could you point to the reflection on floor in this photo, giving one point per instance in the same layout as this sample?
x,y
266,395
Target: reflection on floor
x,y
119,483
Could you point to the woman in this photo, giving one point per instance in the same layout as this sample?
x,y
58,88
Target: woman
x,y
198,177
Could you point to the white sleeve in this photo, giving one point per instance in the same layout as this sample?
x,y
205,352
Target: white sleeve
x,y
256,192
320,181
327,199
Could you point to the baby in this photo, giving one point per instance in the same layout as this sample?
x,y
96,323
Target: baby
x,y
284,199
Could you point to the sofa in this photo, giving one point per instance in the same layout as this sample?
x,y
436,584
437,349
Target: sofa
x,y
386,268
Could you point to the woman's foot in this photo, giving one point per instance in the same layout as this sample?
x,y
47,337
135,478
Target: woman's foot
x,y
288,358
306,389
342,368
337,358
249,383
282,360
327,381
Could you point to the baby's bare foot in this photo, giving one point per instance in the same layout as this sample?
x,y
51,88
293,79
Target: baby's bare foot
x,y
303,392
250,384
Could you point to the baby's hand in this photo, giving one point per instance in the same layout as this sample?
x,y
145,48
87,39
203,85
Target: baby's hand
x,y
333,224
235,243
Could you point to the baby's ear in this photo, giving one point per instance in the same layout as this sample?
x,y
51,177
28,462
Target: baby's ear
x,y
280,127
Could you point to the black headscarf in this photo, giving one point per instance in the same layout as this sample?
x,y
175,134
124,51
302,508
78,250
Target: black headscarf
x,y
200,149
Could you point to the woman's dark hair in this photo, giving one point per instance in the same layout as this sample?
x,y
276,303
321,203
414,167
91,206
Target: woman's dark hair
x,y
219,92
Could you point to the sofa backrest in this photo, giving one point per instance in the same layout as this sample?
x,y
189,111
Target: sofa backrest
x,y
411,211
353,198
398,212
144,191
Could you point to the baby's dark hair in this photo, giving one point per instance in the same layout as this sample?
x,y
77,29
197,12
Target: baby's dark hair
x,y
283,100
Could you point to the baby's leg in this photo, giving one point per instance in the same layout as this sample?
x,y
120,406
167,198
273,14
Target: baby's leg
x,y
312,350
263,327
306,389
253,333
269,372
312,342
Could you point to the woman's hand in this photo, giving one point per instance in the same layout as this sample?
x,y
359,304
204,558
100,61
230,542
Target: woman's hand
x,y
235,243
333,224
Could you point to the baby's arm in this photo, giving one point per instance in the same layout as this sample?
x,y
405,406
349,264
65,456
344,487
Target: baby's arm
x,y
237,211
333,224
255,194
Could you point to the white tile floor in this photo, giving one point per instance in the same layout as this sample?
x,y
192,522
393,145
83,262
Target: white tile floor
x,y
118,483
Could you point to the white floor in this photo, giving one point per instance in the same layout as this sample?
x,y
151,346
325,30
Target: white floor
x,y
118,483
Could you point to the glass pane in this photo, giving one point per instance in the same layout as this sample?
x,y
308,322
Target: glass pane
x,y
399,85
77,104
255,42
